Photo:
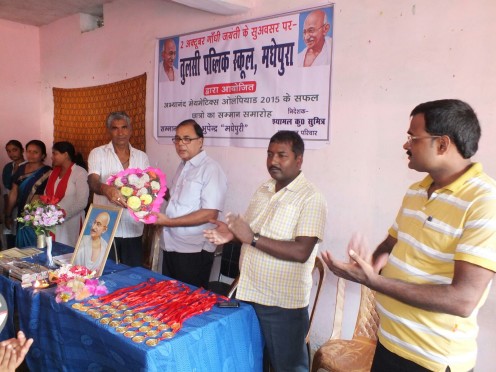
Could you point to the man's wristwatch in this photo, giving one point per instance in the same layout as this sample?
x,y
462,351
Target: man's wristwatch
x,y
256,236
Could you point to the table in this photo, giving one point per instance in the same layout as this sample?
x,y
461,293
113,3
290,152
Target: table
x,y
10,288
223,339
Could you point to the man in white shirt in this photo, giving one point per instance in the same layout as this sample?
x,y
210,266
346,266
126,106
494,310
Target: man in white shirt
x,y
197,195
107,160
318,50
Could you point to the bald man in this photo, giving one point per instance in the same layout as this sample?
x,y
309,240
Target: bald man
x,y
93,247
318,50
168,72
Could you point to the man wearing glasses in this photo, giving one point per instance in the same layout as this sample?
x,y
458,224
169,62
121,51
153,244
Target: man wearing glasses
x,y
197,194
318,50
440,252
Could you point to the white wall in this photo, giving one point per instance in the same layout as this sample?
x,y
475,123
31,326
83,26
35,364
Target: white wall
x,y
19,84
388,55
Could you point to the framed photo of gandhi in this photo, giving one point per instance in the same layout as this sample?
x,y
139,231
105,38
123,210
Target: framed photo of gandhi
x,y
96,237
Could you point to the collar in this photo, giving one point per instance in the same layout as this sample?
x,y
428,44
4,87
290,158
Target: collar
x,y
294,186
197,159
110,147
454,186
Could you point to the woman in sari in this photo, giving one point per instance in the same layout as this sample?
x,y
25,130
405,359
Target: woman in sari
x,y
29,180
68,183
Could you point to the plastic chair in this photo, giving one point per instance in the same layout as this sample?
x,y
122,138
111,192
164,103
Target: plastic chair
x,y
337,355
229,268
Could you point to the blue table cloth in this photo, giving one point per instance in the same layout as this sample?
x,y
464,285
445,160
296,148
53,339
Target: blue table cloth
x,y
223,339
10,288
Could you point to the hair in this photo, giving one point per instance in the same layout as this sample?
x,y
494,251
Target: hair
x,y
118,115
67,147
41,146
452,118
288,136
198,129
15,143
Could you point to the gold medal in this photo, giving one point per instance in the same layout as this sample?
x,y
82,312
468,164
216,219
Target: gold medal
x,y
127,319
147,318
77,305
144,329
105,307
95,302
96,314
116,315
152,342
136,324
138,339
122,307
112,310
130,334
152,333
84,308
154,323
114,323
120,329
168,335
105,320
115,303
139,315
128,312
90,312
163,327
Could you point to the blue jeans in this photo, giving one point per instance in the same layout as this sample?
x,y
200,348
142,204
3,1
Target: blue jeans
x,y
284,331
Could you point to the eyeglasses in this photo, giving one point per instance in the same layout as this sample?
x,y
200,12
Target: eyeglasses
x,y
410,139
312,30
186,140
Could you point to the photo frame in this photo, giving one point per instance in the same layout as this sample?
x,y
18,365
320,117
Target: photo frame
x,y
98,231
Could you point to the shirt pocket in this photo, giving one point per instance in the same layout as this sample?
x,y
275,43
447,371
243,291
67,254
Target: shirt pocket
x,y
281,222
189,196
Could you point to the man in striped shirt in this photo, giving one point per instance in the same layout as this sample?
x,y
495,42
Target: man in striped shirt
x,y
440,252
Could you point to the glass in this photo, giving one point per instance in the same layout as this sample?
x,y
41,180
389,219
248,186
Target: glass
x,y
312,30
410,139
186,140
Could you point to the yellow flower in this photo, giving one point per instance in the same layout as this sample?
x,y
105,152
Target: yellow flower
x,y
134,203
146,198
126,191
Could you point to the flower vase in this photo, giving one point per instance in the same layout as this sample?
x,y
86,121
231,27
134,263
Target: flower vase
x,y
40,241
49,263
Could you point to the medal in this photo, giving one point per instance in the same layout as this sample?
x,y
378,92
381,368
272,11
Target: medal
x,y
116,315
136,324
128,312
83,308
105,320
77,305
115,303
96,314
168,335
127,319
130,334
120,329
152,342
114,323
163,327
147,318
144,329
122,307
138,339
152,333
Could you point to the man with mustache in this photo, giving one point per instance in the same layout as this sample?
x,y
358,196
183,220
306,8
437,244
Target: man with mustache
x,y
93,247
167,72
440,252
280,230
318,50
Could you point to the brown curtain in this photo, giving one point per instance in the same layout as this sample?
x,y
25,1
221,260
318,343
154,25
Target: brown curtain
x,y
80,113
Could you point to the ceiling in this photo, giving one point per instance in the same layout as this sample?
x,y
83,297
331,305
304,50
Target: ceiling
x,y
43,12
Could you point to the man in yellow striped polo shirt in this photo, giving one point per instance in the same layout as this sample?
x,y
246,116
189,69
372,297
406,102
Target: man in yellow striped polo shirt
x,y
280,231
441,250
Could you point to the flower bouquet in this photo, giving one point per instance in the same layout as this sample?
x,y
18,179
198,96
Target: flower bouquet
x,y
144,191
76,282
43,215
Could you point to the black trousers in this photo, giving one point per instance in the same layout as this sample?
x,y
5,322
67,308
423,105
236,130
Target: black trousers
x,y
129,251
191,268
386,361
